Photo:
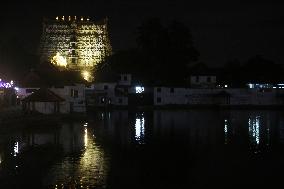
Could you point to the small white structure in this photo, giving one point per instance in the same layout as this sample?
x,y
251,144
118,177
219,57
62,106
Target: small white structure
x,y
73,96
43,101
109,93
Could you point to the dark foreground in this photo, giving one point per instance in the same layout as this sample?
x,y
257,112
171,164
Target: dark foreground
x,y
154,149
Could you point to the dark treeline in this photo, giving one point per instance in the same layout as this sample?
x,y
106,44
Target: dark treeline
x,y
166,55
163,53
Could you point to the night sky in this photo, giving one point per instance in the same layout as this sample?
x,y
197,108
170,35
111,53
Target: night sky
x,y
221,30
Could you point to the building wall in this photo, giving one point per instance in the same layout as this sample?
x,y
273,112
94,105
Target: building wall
x,y
190,96
74,97
125,79
202,81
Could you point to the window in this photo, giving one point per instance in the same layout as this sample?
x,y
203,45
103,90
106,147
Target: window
x,y
125,78
103,100
172,90
73,60
73,52
208,79
197,79
120,100
159,100
74,93
139,89
105,87
73,45
159,90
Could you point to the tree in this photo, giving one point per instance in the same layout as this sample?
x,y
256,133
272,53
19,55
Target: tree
x,y
167,51
162,54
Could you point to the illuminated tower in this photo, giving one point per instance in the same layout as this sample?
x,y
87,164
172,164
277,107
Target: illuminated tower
x,y
74,43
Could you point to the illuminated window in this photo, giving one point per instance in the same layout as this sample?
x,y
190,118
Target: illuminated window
x,y
139,89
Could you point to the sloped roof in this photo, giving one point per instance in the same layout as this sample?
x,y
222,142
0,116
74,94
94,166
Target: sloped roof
x,y
43,95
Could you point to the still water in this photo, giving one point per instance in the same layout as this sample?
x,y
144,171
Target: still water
x,y
155,149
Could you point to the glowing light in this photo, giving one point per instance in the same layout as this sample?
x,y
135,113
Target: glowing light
x,y
16,88
16,148
56,17
254,130
92,43
139,129
226,130
86,75
86,138
62,17
139,89
226,86
59,60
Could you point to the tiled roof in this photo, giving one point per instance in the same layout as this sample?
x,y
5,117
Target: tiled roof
x,y
43,95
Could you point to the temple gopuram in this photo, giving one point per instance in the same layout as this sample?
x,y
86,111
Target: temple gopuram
x,y
74,43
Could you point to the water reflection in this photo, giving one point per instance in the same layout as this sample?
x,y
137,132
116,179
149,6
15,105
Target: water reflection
x,y
254,131
103,151
16,148
89,169
139,128
226,130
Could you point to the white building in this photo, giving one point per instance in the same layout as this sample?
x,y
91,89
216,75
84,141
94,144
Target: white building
x,y
228,96
73,95
109,93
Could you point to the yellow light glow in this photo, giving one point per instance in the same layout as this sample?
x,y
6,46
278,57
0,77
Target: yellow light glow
x,y
59,60
86,75
82,18
62,17
86,138
56,17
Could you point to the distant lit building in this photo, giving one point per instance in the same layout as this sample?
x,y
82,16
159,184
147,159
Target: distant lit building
x,y
75,43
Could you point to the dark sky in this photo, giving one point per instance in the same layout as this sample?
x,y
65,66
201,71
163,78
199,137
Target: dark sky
x,y
221,30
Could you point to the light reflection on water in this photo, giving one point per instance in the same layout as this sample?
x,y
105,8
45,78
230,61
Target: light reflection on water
x,y
254,131
104,150
87,170
140,128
